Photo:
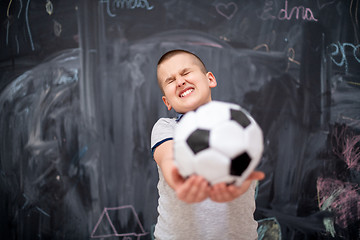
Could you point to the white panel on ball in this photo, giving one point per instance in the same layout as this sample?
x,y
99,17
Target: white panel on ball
x,y
209,116
186,165
212,165
185,126
254,140
228,138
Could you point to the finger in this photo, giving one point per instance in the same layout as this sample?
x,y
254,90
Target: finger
x,y
185,188
203,191
256,175
195,189
236,191
239,190
197,192
220,193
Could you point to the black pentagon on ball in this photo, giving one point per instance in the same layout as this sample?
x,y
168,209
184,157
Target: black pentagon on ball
x,y
198,140
240,117
239,164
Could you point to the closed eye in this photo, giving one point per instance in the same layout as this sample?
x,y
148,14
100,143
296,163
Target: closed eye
x,y
185,71
169,80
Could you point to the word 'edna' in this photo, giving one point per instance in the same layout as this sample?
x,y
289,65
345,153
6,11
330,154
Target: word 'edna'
x,y
284,14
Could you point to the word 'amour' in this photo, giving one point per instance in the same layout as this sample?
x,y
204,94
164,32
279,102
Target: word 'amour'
x,y
132,4
112,5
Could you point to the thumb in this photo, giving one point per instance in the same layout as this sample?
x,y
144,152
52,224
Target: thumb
x,y
256,175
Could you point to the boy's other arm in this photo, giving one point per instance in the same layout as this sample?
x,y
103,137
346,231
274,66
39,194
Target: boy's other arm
x,y
191,190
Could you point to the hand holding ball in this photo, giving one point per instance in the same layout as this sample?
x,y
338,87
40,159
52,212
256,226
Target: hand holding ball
x,y
219,141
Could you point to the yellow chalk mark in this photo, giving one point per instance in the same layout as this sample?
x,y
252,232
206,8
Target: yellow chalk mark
x,y
49,7
8,9
355,83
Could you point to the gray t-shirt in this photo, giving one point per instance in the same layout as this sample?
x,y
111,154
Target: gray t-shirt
x,y
205,220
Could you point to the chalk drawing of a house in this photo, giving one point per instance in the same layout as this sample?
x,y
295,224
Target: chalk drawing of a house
x,y
114,221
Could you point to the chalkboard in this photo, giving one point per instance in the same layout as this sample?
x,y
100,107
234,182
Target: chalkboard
x,y
79,98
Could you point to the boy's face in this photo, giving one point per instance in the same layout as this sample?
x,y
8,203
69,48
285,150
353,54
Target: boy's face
x,y
185,85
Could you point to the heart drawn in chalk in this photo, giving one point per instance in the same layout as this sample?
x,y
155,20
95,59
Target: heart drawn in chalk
x,y
227,10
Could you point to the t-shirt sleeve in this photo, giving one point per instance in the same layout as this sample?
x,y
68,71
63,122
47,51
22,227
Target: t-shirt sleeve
x,y
162,131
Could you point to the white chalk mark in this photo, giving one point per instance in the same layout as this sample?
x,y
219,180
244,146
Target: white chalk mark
x,y
17,44
27,24
7,32
57,28
206,44
42,211
21,5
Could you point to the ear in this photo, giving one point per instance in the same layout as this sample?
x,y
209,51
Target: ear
x,y
212,79
166,103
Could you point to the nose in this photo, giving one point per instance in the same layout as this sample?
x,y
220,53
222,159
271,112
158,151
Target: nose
x,y
180,81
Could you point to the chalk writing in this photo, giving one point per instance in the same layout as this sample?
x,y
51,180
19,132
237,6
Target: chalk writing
x,y
227,10
338,49
106,220
266,14
132,4
125,4
297,12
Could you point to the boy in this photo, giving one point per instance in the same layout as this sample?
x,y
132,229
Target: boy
x,y
190,208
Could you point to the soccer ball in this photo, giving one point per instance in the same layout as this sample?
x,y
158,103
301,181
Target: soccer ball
x,y
219,141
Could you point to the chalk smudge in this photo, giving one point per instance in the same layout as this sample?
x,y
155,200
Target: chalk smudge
x,y
346,146
269,228
341,198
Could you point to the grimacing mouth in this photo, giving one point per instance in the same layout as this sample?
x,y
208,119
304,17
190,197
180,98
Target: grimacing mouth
x,y
185,92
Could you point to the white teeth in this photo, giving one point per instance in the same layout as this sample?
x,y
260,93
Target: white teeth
x,y
186,92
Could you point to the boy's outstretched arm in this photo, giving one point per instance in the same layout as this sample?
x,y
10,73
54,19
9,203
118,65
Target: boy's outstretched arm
x,y
191,190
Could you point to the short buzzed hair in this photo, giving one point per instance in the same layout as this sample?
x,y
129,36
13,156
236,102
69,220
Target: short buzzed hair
x,y
172,53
